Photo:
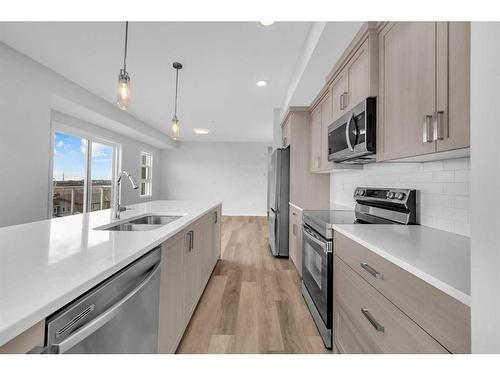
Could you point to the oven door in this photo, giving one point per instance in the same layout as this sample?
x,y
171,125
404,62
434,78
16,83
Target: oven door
x,y
317,272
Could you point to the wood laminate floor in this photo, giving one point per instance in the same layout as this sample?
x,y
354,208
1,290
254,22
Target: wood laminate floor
x,y
253,302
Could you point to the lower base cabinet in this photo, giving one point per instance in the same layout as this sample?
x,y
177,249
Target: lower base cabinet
x,y
295,238
383,308
367,322
26,341
187,262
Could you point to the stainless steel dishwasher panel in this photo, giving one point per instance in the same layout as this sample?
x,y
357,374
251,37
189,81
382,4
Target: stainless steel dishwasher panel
x,y
120,315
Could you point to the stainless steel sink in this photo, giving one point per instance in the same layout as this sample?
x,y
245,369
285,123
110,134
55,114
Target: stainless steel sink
x,y
155,220
143,223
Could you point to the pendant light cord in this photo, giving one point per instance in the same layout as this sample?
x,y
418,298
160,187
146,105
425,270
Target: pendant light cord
x,y
176,85
126,43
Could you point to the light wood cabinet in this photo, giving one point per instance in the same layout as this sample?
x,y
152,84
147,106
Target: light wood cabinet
x,y
358,77
355,76
192,269
367,322
423,102
321,118
26,341
285,131
352,79
444,318
307,189
172,316
316,139
458,64
295,238
188,260
326,119
338,90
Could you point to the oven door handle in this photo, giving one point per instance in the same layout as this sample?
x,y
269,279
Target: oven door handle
x,y
347,129
326,246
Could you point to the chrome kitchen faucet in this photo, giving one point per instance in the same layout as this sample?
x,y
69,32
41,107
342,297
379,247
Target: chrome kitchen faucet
x,y
117,208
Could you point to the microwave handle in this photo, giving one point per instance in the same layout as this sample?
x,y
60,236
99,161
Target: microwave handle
x,y
347,128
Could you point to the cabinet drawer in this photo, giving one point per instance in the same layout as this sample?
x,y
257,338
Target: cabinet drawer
x,y
379,326
348,338
443,317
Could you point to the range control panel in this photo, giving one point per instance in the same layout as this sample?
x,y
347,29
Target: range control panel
x,y
375,194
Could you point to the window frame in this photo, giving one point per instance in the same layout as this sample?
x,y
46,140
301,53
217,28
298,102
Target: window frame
x,y
57,127
147,181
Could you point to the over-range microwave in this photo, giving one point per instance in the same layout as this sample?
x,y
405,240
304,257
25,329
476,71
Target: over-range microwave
x,y
351,138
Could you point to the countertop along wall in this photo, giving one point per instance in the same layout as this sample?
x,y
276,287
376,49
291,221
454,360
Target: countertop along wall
x,y
27,93
444,188
232,172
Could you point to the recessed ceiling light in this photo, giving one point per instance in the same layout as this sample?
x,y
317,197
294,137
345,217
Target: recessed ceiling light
x,y
261,83
203,131
266,23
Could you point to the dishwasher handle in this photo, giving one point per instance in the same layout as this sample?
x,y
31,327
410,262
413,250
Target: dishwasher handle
x,y
96,323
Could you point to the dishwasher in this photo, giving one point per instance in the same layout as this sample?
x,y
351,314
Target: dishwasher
x,y
120,315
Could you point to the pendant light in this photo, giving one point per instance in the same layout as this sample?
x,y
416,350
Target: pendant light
x,y
123,95
175,128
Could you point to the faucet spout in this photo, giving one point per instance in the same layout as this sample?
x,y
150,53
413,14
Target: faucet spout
x,y
117,208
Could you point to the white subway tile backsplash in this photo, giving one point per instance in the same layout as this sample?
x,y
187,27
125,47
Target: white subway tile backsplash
x,y
461,202
444,189
433,166
458,188
443,176
462,175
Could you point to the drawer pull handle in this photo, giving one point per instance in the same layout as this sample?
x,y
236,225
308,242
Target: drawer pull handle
x,y
373,322
372,271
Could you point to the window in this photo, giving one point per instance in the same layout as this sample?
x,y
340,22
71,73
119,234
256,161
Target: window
x,y
82,174
146,172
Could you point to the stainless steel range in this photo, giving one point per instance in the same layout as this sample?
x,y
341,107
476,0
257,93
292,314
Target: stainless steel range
x,y
373,206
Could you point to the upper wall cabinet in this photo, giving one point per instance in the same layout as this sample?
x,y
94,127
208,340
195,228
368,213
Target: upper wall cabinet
x,y
286,133
355,76
423,101
306,189
352,79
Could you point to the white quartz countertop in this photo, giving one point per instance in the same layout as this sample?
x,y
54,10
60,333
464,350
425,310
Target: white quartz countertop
x,y
440,258
46,264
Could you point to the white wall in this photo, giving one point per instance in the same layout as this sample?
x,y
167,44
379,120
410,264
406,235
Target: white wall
x,y
444,188
27,93
235,173
485,158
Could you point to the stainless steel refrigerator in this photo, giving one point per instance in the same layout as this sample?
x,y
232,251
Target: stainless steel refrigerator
x,y
278,198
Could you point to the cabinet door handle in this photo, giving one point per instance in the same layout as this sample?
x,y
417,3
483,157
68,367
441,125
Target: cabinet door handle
x,y
372,271
427,125
440,131
341,102
216,217
191,240
346,99
371,319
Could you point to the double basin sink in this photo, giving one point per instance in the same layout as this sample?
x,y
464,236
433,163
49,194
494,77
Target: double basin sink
x,y
143,223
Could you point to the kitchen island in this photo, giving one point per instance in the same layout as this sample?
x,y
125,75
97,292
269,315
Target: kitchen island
x,y
45,265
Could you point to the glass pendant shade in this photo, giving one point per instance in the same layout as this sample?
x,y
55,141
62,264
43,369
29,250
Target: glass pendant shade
x,y
175,128
123,95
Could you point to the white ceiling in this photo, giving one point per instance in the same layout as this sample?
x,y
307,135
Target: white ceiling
x,y
222,61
